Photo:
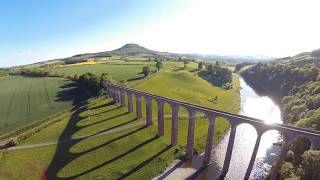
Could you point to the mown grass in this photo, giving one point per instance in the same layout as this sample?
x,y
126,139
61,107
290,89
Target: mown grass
x,y
26,100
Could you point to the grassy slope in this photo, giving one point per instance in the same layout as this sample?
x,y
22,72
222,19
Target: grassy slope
x,y
25,100
118,154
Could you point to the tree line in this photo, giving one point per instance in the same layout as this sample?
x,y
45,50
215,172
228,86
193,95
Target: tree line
x,y
92,84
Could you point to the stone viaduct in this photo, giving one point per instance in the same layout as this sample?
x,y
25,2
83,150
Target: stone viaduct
x,y
119,93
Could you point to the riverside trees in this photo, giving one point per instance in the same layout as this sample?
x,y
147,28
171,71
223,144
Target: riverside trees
x,y
296,87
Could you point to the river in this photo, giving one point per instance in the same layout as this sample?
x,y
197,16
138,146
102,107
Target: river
x,y
261,107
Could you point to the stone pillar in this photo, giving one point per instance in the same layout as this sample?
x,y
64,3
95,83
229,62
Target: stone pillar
x,y
123,98
149,110
111,94
207,155
275,168
117,96
130,105
138,106
192,118
108,90
227,159
174,128
160,118
253,156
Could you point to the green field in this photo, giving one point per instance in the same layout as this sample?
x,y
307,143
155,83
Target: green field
x,y
134,152
124,148
26,100
121,71
189,87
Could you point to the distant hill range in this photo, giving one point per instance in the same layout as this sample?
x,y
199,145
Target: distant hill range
x,y
137,50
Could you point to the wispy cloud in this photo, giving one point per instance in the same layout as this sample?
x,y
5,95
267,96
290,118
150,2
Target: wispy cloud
x,y
26,54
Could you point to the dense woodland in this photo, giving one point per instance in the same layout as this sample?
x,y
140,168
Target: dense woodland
x,y
296,87
217,75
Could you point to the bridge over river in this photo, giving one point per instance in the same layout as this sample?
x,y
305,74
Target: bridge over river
x,y
289,133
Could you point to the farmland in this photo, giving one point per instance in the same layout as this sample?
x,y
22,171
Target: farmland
x,y
26,100
119,71
101,127
95,157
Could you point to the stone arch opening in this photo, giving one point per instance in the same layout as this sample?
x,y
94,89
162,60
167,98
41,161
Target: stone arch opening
x,y
268,152
200,132
244,143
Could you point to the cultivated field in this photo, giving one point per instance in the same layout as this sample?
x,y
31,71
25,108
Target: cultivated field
x,y
26,100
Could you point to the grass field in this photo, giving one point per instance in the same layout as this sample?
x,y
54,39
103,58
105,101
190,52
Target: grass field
x,y
119,71
191,88
128,150
133,152
26,100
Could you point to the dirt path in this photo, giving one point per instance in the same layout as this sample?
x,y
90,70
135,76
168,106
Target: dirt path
x,y
93,135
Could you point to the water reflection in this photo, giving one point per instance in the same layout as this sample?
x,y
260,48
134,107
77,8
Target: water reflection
x,y
260,107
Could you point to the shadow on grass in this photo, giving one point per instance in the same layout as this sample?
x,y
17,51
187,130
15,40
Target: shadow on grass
x,y
63,155
144,163
115,158
136,78
107,119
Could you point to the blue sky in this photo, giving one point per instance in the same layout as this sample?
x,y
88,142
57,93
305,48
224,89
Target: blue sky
x,y
37,30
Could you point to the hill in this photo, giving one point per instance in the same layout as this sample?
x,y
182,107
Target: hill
x,y
301,59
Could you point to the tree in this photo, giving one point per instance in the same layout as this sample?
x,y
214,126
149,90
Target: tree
x,y
200,65
146,70
185,63
159,65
